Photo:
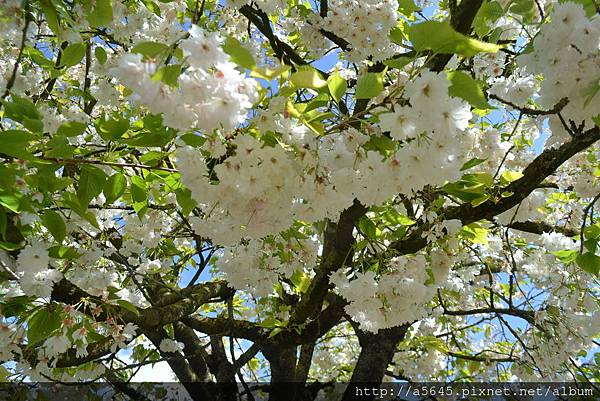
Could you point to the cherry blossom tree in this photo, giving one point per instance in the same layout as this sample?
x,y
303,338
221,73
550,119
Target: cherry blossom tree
x,y
300,192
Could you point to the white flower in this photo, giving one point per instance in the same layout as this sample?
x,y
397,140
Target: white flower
x,y
167,345
399,123
56,345
203,49
33,258
40,284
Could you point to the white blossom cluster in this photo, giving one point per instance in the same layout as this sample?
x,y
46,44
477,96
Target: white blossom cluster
x,y
36,275
256,268
142,24
365,25
398,296
210,92
566,54
261,189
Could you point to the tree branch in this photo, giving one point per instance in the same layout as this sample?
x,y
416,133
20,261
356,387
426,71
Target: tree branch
x,y
537,171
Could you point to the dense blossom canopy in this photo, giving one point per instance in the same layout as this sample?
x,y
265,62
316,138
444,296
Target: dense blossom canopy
x,y
299,191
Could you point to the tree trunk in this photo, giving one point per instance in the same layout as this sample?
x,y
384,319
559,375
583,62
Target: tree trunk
x,y
377,351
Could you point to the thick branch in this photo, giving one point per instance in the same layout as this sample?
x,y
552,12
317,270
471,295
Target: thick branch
x,y
538,170
226,327
539,227
337,250
66,292
377,351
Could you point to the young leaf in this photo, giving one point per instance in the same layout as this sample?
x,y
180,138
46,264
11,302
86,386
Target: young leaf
x,y
440,37
14,143
114,187
149,49
100,54
72,55
337,86
91,183
466,88
55,224
138,189
369,85
307,77
71,128
589,262
42,324
101,13
238,53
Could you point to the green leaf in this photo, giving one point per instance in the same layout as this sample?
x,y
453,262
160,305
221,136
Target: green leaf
x,y
407,7
589,262
337,86
71,128
14,143
475,233
114,187
3,223
111,128
150,49
101,13
100,54
307,77
185,201
488,13
369,85
367,227
472,163
91,183
24,111
38,57
440,37
42,324
10,202
157,138
471,187
467,88
592,231
59,146
55,224
238,53
152,6
128,306
51,16
479,200
405,221
275,331
62,252
168,74
524,8
509,176
300,280
397,62
138,189
9,246
566,256
193,140
397,35
269,74
72,55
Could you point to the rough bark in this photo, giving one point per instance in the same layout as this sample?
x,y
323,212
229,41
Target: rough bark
x,y
377,351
